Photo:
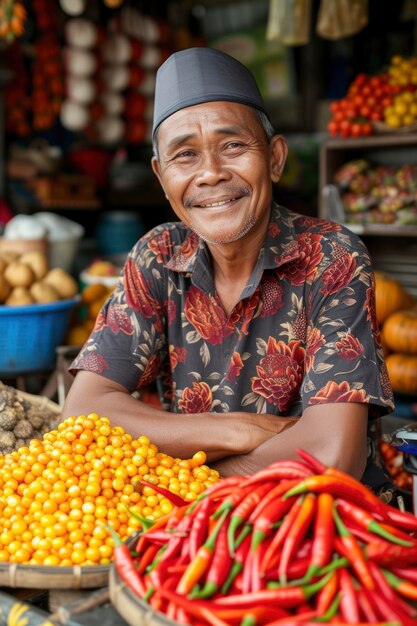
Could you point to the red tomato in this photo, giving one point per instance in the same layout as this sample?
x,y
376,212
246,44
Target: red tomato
x,y
377,115
345,127
334,106
367,128
365,111
356,129
371,101
333,127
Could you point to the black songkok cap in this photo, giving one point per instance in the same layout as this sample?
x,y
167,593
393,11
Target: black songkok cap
x,y
197,75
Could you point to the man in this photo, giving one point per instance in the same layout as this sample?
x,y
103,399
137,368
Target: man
x,y
257,323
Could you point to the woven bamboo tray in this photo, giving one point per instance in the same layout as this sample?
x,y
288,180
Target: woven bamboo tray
x,y
15,575
134,610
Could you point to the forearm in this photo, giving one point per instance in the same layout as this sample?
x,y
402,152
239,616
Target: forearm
x,y
220,435
335,440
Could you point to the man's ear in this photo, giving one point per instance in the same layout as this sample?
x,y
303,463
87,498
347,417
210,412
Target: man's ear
x,y
157,171
278,151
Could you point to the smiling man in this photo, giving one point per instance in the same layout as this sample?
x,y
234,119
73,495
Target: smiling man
x,y
257,323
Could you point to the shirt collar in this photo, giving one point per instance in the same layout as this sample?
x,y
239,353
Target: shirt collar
x,y
281,246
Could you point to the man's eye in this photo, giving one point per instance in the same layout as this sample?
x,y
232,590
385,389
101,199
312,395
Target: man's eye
x,y
234,145
185,154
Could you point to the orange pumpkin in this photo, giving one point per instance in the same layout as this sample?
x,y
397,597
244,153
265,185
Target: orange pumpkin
x,y
390,296
402,372
400,331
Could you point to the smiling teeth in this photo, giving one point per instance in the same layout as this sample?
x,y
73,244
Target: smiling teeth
x,y
215,204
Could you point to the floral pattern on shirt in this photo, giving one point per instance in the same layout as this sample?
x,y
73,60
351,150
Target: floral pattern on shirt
x,y
303,332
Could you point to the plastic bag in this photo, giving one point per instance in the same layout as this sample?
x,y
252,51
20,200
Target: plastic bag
x,y
341,18
289,22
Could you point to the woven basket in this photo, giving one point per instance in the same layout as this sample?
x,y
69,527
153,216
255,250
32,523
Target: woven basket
x,y
53,577
134,611
41,402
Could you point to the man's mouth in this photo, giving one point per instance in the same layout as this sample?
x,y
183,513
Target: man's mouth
x,y
213,205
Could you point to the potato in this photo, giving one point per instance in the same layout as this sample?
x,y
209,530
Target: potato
x,y
19,296
5,288
3,264
19,274
63,282
41,291
38,261
9,255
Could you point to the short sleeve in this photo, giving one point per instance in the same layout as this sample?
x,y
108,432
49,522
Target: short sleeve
x,y
344,355
127,344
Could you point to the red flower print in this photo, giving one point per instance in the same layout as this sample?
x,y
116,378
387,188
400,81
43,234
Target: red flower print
x,y
272,301
315,340
334,392
150,373
338,275
172,311
177,355
208,319
118,320
349,347
161,246
325,226
93,362
273,229
369,307
280,372
235,366
243,313
310,255
196,400
137,293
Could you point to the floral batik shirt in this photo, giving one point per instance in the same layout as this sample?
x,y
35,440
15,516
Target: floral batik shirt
x,y
304,331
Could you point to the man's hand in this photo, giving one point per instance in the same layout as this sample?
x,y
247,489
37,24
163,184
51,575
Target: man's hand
x,y
335,433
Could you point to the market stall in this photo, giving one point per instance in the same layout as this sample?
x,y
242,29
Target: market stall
x,y
98,526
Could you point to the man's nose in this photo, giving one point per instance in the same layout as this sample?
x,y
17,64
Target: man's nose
x,y
211,170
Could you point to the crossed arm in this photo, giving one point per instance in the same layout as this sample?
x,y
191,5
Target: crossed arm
x,y
235,443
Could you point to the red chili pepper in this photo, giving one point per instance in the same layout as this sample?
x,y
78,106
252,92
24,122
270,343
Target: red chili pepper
x,y
383,584
340,487
348,602
200,526
365,606
312,462
172,497
296,570
404,519
201,561
284,597
243,511
386,553
219,567
198,608
147,557
241,555
281,470
271,496
232,500
272,513
365,519
296,534
349,547
176,540
323,534
273,554
404,587
409,573
384,609
327,594
125,566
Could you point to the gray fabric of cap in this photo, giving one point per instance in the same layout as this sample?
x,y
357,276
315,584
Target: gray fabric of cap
x,y
198,75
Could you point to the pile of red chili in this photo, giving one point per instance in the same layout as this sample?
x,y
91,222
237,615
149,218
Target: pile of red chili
x,y
296,543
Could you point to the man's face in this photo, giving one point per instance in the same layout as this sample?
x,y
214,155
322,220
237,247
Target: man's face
x,y
216,166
